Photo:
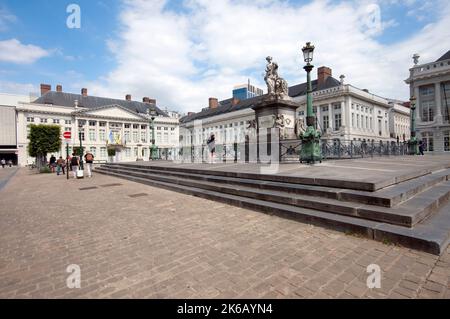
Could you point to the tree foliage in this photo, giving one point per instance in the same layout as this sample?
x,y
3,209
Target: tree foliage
x,y
44,139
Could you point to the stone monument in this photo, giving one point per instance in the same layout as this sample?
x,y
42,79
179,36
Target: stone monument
x,y
275,113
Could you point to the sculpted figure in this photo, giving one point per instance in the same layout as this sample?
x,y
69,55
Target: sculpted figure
x,y
276,85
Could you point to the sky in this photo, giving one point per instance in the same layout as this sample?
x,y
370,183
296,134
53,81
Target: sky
x,y
181,52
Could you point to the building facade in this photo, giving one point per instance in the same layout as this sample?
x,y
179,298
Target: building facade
x,y
342,111
112,129
246,91
430,85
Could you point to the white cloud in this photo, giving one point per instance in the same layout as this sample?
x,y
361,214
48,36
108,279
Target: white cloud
x,y
15,52
6,18
183,58
17,88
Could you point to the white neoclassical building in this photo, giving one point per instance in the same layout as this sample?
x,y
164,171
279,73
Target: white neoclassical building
x,y
430,85
343,112
102,124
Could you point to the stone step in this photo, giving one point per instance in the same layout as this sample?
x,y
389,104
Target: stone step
x,y
405,215
388,197
432,236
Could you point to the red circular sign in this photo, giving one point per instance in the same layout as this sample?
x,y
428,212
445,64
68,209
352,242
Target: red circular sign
x,y
67,135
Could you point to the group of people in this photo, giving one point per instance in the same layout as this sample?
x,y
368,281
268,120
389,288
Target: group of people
x,y
3,162
59,165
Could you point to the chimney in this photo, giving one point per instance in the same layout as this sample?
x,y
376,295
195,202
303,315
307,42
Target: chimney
x,y
128,97
342,77
76,104
323,73
45,88
59,88
152,101
84,91
145,99
191,113
235,101
213,103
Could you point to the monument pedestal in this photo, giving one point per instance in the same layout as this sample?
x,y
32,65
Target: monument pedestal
x,y
275,121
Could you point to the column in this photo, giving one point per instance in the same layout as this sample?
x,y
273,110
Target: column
x,y
331,116
438,102
349,117
418,106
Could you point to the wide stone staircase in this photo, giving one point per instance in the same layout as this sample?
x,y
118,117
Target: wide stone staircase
x,y
413,213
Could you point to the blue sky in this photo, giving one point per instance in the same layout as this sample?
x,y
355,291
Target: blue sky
x,y
182,52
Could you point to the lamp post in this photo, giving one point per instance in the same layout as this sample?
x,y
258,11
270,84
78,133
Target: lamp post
x,y
310,151
413,140
151,111
80,126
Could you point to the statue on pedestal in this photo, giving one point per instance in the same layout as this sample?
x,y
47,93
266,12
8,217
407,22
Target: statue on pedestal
x,y
276,85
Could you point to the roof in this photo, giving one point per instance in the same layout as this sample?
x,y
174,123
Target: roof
x,y
300,89
90,102
446,56
226,106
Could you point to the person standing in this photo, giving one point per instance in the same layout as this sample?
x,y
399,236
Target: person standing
x,y
89,159
3,162
74,162
10,163
212,146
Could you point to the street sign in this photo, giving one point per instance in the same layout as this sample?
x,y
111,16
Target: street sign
x,y
67,135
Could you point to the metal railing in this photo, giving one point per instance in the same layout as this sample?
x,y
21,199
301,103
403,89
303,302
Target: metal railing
x,y
286,151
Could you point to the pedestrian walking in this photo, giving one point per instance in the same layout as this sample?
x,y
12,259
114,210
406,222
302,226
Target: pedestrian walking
x,y
3,162
52,163
59,165
89,159
421,147
74,162
211,146
10,163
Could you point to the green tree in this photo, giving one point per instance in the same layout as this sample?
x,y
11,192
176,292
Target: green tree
x,y
44,139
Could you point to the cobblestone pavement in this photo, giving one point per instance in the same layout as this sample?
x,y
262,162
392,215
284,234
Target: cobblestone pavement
x,y
132,240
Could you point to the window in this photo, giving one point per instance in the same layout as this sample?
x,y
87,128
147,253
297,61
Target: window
x,y
30,119
135,126
325,108
143,137
300,113
326,122
172,129
102,124
92,123
67,129
81,122
127,125
353,120
103,152
357,120
127,136
55,121
427,90
43,120
447,141
427,111
115,125
337,121
158,138
93,150
135,152
166,138
143,127
102,134
428,141
144,152
337,106
81,132
128,152
92,134
379,128
67,121
166,128
135,137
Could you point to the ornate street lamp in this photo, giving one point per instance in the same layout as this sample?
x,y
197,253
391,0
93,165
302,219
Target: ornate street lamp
x,y
151,111
310,151
80,126
413,140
